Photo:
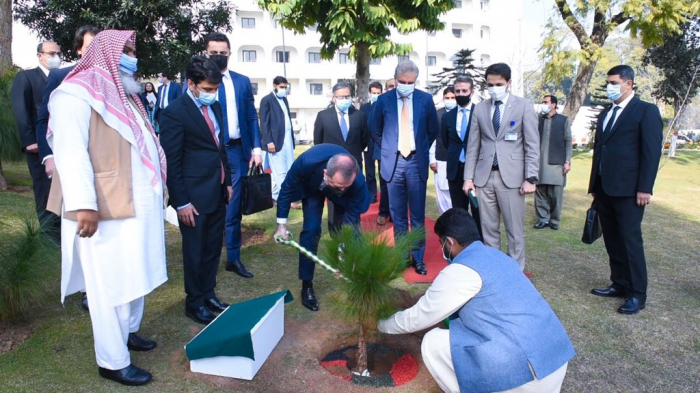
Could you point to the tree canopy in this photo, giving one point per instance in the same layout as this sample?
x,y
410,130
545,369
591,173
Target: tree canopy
x,y
168,32
462,64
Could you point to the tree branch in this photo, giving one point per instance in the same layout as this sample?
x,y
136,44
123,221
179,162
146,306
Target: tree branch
x,y
573,23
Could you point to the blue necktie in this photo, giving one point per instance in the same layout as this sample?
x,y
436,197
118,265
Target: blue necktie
x,y
463,132
222,102
343,126
496,125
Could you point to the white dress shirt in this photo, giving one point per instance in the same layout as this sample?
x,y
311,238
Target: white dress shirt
x,y
502,107
409,102
622,106
234,132
164,100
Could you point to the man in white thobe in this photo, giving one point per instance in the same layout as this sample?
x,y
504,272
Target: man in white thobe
x,y
109,191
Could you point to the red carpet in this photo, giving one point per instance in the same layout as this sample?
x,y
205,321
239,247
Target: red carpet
x,y
433,259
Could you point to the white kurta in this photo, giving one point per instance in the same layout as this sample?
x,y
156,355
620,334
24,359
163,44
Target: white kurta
x,y
442,187
128,255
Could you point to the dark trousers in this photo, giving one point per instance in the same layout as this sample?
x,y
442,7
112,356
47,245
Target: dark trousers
x,y
384,195
201,251
370,172
312,208
239,168
457,195
336,216
621,221
41,184
407,193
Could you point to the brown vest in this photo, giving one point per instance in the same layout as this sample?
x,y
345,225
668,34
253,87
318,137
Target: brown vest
x,y
110,155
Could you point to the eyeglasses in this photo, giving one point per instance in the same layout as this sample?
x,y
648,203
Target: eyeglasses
x,y
51,53
343,97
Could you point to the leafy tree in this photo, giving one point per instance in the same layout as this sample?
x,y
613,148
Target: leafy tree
x,y
363,24
648,19
462,64
5,35
169,32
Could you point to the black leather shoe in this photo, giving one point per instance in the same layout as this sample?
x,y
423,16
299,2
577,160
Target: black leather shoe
x,y
238,268
609,292
420,268
554,226
136,343
200,315
308,297
541,225
632,306
129,375
215,305
86,307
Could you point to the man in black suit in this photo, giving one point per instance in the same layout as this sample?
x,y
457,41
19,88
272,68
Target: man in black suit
x,y
344,126
199,183
26,94
375,90
172,92
438,155
323,172
454,131
626,156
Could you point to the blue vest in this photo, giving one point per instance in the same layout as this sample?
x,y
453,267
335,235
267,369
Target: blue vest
x,y
504,327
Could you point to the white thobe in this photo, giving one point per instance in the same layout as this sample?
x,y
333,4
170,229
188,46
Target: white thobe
x,y
125,258
281,161
453,288
442,187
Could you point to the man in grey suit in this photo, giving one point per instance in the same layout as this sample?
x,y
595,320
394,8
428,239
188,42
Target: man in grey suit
x,y
503,156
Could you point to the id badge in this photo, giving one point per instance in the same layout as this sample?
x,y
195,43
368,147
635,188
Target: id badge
x,y
511,136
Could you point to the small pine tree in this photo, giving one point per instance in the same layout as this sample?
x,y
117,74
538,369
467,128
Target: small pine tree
x,y
10,147
462,64
598,100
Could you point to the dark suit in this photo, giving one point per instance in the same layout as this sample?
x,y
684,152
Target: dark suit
x,y
26,95
370,168
55,78
406,176
195,163
625,161
174,91
455,146
440,151
272,122
302,182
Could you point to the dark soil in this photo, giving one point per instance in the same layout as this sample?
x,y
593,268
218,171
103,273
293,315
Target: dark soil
x,y
12,337
252,236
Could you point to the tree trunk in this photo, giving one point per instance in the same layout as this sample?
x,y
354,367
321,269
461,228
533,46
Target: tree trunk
x,y
5,35
362,351
362,72
579,90
3,181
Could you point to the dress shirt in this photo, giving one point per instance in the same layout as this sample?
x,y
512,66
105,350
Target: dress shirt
x,y
454,286
503,108
399,105
622,106
165,102
287,121
461,116
234,132
345,115
44,69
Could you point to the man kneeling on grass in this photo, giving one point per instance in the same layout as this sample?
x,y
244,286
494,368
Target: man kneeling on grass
x,y
503,336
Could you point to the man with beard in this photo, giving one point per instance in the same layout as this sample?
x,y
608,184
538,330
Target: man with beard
x,y
108,187
323,171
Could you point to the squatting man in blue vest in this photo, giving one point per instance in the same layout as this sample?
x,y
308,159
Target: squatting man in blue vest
x,y
502,336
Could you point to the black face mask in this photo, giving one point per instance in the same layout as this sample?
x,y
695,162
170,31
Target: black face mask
x,y
463,100
221,61
330,190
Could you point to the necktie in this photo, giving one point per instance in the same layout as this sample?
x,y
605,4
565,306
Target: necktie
x,y
343,126
222,102
404,138
611,122
212,129
463,132
165,97
496,125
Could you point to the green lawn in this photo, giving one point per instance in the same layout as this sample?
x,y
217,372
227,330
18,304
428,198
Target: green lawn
x,y
655,351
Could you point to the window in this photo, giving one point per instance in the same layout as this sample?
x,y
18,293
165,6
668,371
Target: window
x,y
403,58
282,56
254,87
485,5
375,61
431,61
250,56
293,115
458,4
248,23
343,58
314,57
485,33
315,89
457,33
485,59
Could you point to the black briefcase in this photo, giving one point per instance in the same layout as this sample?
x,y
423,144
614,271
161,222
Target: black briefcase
x,y
592,229
256,195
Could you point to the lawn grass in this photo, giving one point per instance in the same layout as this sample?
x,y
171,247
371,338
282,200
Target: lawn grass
x,y
655,351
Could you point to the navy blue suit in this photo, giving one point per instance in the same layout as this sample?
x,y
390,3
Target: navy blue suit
x,y
174,91
370,170
454,146
406,177
303,182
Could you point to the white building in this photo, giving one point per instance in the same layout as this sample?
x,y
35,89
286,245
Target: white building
x,y
260,47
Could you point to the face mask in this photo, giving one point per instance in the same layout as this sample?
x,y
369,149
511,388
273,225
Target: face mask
x,y
405,90
128,64
206,98
160,79
281,93
343,104
326,188
613,92
374,97
497,93
53,62
447,256
463,100
450,104
544,109
221,61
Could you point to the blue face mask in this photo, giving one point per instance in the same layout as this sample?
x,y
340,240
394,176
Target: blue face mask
x,y
374,97
343,104
405,90
128,64
281,93
447,256
450,104
206,98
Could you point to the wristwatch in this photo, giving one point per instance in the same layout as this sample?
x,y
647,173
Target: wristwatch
x,y
532,180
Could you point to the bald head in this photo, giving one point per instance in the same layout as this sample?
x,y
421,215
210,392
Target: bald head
x,y
341,171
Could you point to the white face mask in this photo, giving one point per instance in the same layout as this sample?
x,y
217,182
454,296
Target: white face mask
x,y
498,93
405,90
544,109
374,97
53,62
450,104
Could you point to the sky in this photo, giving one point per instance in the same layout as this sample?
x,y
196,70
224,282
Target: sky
x,y
535,14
